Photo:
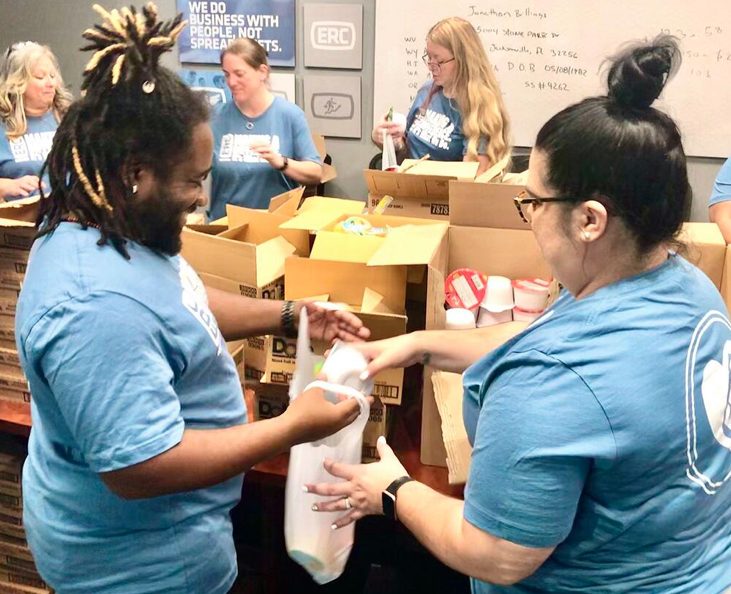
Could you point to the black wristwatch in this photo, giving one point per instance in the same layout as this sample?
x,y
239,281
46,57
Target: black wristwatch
x,y
388,496
285,163
287,317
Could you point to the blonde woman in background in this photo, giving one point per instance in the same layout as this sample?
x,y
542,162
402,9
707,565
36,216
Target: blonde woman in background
x,y
459,114
32,101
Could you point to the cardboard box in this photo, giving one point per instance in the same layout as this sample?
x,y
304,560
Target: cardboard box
x,y
706,248
17,223
359,288
489,236
7,331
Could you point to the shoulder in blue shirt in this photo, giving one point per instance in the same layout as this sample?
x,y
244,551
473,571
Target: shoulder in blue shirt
x,y
604,430
722,185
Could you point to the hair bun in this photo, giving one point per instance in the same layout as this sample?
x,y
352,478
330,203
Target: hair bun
x,y
638,75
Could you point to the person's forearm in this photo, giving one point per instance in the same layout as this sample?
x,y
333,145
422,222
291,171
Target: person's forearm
x,y
240,317
456,350
304,172
437,521
204,457
4,187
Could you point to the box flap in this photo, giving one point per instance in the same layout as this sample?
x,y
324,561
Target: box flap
x,y
329,173
408,185
448,395
264,226
410,245
374,303
270,257
495,172
345,281
474,204
286,203
342,247
218,255
318,211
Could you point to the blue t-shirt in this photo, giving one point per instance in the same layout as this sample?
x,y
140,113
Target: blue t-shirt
x,y
239,175
722,185
604,429
25,155
121,357
438,131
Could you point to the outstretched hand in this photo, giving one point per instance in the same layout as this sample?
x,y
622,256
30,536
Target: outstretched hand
x,y
330,324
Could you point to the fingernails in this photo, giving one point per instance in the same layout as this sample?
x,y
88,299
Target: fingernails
x,y
333,526
305,489
381,441
364,376
314,507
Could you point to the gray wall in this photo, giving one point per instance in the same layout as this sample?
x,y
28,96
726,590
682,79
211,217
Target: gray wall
x,y
59,23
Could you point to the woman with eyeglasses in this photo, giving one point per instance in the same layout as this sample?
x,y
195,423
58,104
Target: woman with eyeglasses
x,y
32,101
459,113
601,434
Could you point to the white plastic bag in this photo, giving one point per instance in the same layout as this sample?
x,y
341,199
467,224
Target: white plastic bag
x,y
310,540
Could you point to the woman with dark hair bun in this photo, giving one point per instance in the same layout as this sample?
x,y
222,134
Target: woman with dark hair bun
x,y
602,432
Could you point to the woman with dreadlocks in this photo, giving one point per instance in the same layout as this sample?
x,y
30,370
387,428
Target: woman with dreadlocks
x,y
139,439
32,101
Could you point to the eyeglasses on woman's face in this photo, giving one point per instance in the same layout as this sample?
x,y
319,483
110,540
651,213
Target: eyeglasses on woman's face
x,y
525,199
434,65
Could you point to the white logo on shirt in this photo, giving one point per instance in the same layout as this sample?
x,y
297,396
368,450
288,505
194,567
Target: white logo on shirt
x,y
433,128
195,300
716,414
237,147
33,146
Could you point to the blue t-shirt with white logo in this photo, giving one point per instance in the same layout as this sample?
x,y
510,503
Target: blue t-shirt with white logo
x,y
437,131
239,175
121,357
25,155
604,430
722,185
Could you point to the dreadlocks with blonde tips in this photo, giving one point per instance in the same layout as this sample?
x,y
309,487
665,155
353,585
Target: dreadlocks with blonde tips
x,y
133,113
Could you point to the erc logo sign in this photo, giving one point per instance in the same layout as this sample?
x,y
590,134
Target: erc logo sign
x,y
332,35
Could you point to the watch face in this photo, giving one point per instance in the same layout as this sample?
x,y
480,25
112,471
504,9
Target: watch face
x,y
388,501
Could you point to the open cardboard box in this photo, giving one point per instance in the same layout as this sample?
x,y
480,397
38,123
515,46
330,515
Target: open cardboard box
x,y
421,188
489,236
284,204
375,294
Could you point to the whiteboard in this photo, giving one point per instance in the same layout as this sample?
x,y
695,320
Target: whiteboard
x,y
550,53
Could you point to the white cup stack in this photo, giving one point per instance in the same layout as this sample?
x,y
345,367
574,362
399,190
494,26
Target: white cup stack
x,y
497,305
531,296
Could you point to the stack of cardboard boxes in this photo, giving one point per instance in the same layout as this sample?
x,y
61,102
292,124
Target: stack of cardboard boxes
x,y
16,236
18,574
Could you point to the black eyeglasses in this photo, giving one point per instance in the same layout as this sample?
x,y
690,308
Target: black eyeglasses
x,y
525,198
435,64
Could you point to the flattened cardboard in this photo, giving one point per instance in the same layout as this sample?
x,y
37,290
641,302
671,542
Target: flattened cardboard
x,y
448,396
